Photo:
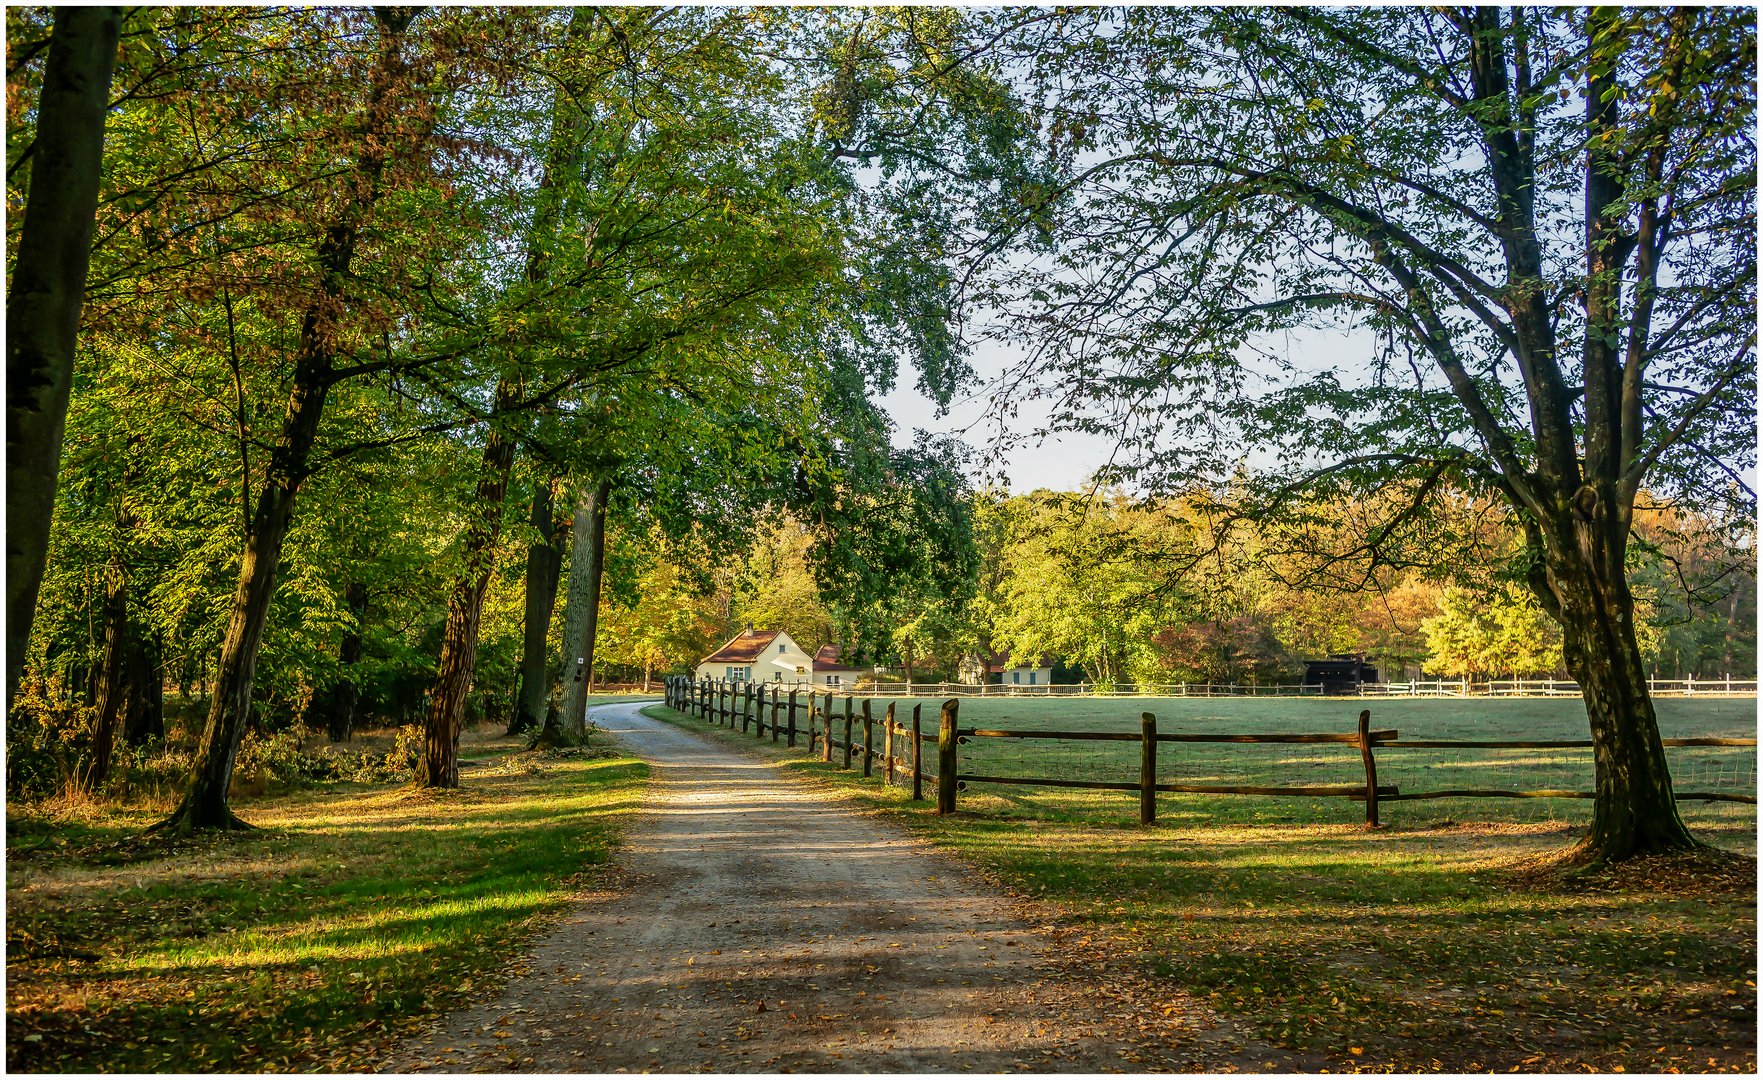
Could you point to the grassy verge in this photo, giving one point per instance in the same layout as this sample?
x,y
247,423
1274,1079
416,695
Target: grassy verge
x,y
1418,947
358,911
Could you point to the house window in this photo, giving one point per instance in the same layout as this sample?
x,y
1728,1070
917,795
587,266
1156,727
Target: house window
x,y
832,680
777,676
1031,677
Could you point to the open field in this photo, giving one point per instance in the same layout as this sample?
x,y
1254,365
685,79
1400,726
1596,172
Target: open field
x,y
1423,946
1722,769
359,911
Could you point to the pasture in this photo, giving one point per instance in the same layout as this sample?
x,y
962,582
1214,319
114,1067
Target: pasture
x,y
1433,944
1721,769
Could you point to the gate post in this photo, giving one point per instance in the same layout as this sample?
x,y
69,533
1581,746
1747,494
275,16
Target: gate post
x,y
793,718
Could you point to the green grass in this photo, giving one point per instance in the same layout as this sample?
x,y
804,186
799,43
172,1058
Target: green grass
x,y
1422,946
357,912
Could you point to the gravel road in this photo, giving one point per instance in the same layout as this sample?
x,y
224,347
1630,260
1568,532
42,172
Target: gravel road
x,y
756,923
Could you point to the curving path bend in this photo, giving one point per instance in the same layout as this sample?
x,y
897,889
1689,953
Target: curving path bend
x,y
757,923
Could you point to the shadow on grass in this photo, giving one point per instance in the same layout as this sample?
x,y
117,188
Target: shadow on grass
x,y
343,922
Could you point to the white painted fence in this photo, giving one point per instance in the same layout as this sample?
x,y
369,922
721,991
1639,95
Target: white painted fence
x,y
1418,688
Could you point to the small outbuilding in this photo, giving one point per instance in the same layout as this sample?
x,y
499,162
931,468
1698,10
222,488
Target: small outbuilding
x,y
1339,674
831,671
1003,670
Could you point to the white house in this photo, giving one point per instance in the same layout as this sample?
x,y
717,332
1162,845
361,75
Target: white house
x,y
759,656
830,671
1002,670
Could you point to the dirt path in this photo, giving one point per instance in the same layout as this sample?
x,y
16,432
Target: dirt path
x,y
758,924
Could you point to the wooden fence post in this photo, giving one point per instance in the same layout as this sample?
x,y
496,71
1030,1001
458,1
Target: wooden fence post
x,y
888,746
946,736
826,730
1147,768
1370,768
793,693
746,705
868,739
847,747
777,705
917,759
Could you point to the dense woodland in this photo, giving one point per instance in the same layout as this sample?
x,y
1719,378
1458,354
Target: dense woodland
x,y
425,352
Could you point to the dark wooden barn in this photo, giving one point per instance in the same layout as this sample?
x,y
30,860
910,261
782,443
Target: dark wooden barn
x,y
1339,674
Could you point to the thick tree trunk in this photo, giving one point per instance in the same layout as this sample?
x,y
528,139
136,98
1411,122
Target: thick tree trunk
x,y
544,567
439,766
204,805
43,299
1583,582
1635,811
146,697
581,610
110,669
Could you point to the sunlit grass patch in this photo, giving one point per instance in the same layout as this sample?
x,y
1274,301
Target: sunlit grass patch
x,y
358,911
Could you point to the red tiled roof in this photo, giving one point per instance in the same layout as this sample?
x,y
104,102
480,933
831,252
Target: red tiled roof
x,y
744,648
827,659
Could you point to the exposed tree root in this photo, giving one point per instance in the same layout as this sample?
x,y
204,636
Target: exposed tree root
x,y
183,822
1697,870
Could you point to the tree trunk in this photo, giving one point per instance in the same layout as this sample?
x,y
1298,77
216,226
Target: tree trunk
x,y
1635,811
333,706
146,682
1579,574
204,805
581,610
544,566
346,693
439,766
110,670
45,295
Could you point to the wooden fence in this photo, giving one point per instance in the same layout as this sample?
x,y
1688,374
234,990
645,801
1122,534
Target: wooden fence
x,y
815,716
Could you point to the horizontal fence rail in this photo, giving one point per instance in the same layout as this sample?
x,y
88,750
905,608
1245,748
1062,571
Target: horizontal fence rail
x,y
830,722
